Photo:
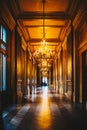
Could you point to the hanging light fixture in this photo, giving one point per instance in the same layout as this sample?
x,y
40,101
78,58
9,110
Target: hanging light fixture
x,y
43,54
43,40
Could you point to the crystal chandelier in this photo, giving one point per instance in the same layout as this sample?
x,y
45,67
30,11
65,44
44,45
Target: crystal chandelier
x,y
43,53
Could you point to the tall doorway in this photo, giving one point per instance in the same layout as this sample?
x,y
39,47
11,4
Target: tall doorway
x,y
44,81
84,78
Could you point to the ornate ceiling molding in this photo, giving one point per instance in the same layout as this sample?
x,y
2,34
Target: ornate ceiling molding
x,y
15,8
82,47
6,15
24,45
51,26
54,40
80,16
39,15
23,30
72,8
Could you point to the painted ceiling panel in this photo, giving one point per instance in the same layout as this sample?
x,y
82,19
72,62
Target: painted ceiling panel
x,y
32,22
54,18
49,32
48,19
50,5
52,32
36,32
30,5
47,22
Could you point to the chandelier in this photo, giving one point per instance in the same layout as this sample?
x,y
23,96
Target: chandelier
x,y
44,54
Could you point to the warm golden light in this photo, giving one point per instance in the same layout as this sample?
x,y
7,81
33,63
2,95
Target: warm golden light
x,y
44,55
43,52
44,120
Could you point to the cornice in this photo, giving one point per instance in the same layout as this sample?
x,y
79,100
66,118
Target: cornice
x,y
7,17
24,44
68,29
29,50
23,30
13,4
83,47
80,16
19,31
72,8
63,34
39,15
65,31
64,42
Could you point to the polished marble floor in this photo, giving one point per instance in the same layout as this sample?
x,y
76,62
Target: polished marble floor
x,y
46,110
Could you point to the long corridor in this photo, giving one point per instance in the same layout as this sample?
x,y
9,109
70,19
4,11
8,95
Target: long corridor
x,y
46,110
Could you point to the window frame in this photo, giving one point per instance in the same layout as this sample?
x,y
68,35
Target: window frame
x,y
3,48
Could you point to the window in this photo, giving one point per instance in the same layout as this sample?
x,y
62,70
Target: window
x,y
3,41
